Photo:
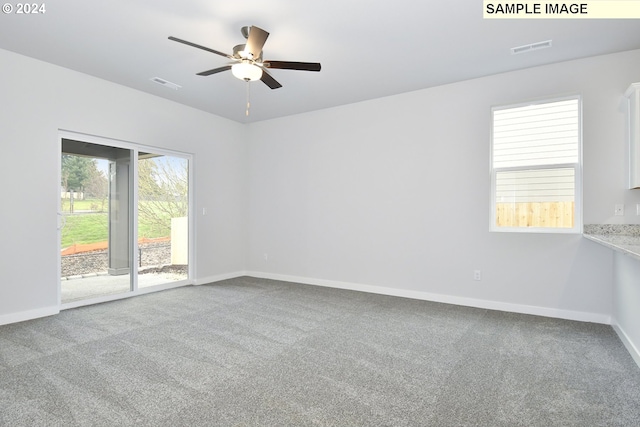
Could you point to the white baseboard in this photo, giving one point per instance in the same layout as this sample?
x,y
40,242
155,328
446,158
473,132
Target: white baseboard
x,y
218,278
404,293
22,316
447,299
631,348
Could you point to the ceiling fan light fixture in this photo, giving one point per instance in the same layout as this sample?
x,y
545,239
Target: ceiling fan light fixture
x,y
246,71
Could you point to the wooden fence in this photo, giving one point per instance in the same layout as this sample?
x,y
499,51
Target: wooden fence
x,y
535,214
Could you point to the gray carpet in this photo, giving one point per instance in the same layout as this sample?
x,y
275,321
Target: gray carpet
x,y
253,352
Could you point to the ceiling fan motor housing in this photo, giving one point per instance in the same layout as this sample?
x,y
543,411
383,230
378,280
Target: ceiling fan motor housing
x,y
239,52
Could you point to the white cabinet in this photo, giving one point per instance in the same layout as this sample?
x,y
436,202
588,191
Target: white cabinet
x,y
632,96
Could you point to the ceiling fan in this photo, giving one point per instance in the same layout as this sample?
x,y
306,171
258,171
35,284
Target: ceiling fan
x,y
247,63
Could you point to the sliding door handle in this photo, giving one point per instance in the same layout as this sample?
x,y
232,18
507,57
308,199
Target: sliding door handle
x,y
62,221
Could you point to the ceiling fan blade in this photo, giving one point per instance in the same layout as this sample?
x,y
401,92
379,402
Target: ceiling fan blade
x,y
256,40
215,70
269,80
175,39
292,65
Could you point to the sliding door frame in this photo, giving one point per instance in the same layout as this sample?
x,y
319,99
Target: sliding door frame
x,y
135,149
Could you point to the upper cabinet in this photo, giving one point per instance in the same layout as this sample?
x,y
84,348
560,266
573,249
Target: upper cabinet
x,y
632,96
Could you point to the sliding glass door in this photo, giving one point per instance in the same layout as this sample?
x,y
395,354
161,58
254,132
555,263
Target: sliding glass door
x,y
125,219
163,218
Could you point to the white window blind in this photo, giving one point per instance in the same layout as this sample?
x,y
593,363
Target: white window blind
x,y
535,155
541,134
539,185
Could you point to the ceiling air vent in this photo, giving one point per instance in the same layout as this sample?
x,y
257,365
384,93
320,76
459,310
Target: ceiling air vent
x,y
165,83
530,47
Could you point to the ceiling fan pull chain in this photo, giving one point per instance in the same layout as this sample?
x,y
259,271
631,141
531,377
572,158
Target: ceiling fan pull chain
x,y
248,101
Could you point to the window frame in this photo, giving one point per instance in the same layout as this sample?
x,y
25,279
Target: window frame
x,y
577,167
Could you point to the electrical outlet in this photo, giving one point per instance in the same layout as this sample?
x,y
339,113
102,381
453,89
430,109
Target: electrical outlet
x,y
619,210
266,257
638,209
477,275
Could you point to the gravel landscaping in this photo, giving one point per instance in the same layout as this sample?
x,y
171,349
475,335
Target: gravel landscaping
x,y
153,257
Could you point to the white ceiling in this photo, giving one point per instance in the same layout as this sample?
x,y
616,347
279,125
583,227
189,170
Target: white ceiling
x,y
367,49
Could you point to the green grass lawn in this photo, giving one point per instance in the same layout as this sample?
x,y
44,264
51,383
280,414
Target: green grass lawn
x,y
96,205
93,227
86,228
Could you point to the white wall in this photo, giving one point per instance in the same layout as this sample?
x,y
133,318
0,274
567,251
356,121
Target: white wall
x,y
393,195
38,99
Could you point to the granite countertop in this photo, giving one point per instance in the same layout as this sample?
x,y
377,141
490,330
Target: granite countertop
x,y
623,238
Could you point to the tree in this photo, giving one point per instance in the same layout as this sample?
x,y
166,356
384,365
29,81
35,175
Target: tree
x,y
75,171
96,185
163,191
